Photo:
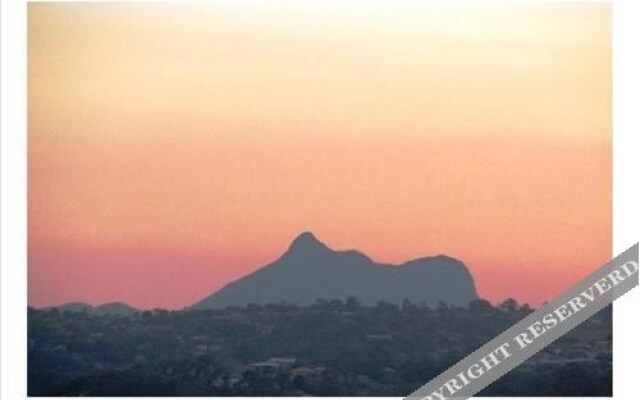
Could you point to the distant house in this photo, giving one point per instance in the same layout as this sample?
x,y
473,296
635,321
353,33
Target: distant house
x,y
265,367
273,365
310,374
283,361
383,337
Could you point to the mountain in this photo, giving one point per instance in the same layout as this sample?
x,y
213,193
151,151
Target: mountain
x,y
73,307
310,270
115,308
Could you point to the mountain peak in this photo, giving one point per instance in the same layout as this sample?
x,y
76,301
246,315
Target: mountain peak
x,y
306,242
310,270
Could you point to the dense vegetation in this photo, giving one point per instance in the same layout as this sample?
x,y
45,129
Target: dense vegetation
x,y
332,348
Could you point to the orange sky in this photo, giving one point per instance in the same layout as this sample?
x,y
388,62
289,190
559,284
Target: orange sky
x,y
173,147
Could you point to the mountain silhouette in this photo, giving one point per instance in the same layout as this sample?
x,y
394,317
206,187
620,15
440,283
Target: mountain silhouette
x,y
115,308
309,270
75,306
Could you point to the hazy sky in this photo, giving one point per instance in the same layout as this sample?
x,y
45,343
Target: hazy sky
x,y
173,147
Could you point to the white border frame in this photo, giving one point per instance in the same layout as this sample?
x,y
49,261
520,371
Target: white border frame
x,y
13,271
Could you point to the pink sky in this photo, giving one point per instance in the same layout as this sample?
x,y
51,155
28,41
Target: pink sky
x,y
173,148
